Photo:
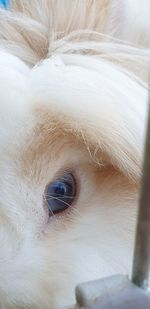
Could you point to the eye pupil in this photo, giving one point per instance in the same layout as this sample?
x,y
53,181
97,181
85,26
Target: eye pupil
x,y
60,188
60,194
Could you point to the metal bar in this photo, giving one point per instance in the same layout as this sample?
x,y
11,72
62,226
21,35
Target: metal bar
x,y
141,260
115,292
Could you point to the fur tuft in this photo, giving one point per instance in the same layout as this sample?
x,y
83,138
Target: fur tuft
x,y
73,97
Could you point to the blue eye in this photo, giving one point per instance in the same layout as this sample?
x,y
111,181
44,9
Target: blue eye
x,y
60,194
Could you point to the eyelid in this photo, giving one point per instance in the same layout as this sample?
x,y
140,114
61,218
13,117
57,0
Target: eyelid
x,y
63,171
67,169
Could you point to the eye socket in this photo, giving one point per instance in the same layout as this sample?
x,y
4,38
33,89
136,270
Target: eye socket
x,y
60,194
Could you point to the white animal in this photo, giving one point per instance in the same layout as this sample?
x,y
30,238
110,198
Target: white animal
x,y
73,110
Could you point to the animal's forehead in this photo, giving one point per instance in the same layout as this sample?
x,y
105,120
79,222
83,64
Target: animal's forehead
x,y
51,143
29,130
79,103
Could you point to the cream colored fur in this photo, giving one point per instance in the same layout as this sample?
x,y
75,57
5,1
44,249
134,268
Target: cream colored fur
x,y
73,95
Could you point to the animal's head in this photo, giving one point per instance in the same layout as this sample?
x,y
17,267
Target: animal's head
x,y
71,142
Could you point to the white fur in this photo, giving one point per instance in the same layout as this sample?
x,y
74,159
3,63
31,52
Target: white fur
x,y
59,57
133,22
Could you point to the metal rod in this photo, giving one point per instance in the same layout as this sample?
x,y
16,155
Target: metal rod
x,y
141,260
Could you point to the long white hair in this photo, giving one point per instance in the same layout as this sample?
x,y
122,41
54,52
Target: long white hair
x,y
108,38
87,63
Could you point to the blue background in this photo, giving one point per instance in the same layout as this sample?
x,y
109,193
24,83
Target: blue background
x,y
4,3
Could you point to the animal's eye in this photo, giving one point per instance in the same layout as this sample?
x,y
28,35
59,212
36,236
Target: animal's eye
x,y
60,194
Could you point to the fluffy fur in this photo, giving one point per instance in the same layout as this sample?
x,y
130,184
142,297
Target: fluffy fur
x,y
73,96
